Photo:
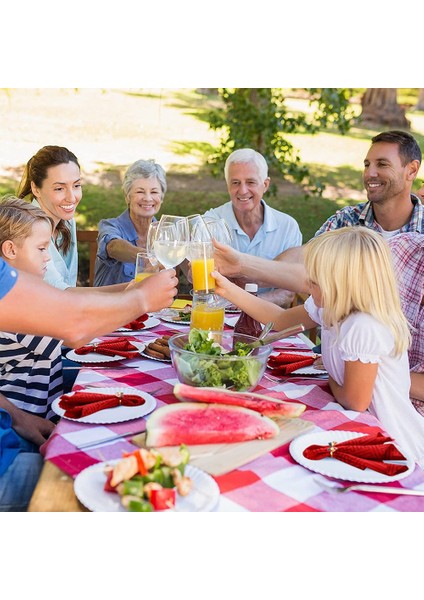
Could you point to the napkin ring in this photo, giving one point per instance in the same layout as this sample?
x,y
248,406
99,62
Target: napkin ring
x,y
332,446
119,395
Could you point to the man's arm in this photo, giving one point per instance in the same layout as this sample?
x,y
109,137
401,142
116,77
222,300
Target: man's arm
x,y
286,271
37,308
283,298
417,386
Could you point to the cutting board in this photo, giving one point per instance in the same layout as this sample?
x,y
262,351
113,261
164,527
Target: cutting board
x,y
218,459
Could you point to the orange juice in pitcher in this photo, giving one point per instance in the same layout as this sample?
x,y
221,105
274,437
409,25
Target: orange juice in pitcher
x,y
207,313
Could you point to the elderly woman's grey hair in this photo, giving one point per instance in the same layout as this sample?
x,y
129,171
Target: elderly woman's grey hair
x,y
144,169
247,155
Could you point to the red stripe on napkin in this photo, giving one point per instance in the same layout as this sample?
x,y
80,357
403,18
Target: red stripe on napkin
x,y
82,404
368,451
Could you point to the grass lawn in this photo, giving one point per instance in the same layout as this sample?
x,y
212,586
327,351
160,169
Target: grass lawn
x,y
110,129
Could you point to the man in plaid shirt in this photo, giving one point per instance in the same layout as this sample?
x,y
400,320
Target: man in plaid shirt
x,y
408,257
390,167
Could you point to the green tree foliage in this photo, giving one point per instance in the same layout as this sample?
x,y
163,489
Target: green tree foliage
x,y
259,118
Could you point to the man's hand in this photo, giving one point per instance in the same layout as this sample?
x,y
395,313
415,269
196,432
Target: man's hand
x,y
159,290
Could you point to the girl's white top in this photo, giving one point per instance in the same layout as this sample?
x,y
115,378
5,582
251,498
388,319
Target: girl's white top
x,y
362,337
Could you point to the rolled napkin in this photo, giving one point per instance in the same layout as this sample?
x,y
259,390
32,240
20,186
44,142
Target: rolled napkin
x,y
82,404
368,451
119,347
137,323
286,362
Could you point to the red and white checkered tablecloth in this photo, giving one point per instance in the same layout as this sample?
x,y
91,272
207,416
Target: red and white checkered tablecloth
x,y
273,482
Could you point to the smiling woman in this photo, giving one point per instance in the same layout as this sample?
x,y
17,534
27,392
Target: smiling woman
x,y
52,180
121,238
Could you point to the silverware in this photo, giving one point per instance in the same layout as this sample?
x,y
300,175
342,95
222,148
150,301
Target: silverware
x,y
111,438
276,379
266,330
269,339
334,487
296,350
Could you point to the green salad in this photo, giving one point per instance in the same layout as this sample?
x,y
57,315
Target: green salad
x,y
232,373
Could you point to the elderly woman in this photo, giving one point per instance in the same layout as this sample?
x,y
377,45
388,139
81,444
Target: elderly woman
x,y
122,237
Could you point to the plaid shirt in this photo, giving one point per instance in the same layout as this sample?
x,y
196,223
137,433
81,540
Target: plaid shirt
x,y
362,214
408,255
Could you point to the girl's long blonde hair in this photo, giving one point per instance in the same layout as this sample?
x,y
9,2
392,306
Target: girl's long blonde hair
x,y
17,219
353,268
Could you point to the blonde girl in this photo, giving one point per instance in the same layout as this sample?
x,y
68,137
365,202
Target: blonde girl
x,y
364,334
31,366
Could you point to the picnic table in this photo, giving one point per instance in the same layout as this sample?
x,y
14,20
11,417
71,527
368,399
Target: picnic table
x,y
273,482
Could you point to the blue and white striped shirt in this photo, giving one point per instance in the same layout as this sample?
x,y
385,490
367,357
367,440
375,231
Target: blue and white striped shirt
x,y
31,372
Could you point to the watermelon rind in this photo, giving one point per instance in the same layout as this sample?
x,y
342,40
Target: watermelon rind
x,y
266,405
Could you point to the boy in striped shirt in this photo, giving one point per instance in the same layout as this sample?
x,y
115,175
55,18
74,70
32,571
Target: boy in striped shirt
x,y
30,366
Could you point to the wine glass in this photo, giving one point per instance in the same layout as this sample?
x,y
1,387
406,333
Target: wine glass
x,y
150,240
200,254
172,237
145,266
198,230
219,230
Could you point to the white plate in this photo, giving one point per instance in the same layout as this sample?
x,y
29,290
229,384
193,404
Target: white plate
x,y
336,468
112,415
92,357
148,324
170,319
309,371
165,360
88,487
232,310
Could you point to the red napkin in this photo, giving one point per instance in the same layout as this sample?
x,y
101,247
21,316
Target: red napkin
x,y
120,347
368,451
82,404
137,323
285,362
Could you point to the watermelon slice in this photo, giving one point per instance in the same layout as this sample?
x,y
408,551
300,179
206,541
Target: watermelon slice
x,y
198,423
266,405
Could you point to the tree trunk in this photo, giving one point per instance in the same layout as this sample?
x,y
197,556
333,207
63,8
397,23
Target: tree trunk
x,y
420,102
380,107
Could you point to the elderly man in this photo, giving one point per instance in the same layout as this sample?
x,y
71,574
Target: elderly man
x,y
257,229
390,167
